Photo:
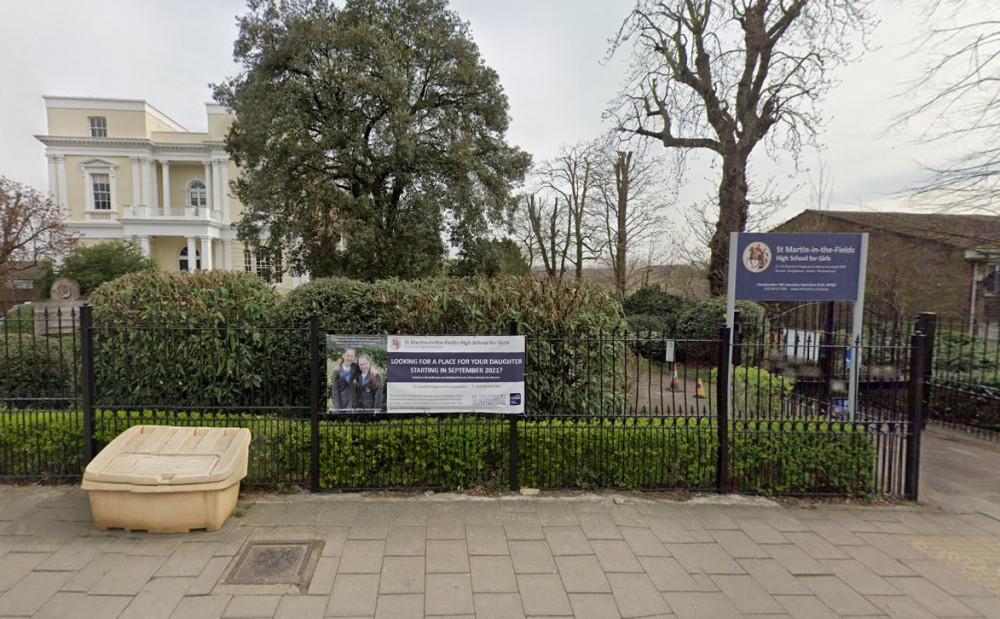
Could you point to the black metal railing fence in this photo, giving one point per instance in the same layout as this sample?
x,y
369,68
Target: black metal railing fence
x,y
620,409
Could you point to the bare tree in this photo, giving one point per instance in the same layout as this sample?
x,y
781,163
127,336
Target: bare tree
x,y
722,75
569,176
629,210
958,102
547,232
32,228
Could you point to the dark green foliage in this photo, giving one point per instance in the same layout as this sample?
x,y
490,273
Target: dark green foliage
x,y
36,371
781,457
490,258
211,345
644,453
959,354
573,374
19,319
93,265
653,301
703,320
40,444
756,392
375,122
652,315
796,457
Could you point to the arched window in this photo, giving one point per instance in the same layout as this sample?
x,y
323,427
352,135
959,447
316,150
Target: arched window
x,y
182,259
197,196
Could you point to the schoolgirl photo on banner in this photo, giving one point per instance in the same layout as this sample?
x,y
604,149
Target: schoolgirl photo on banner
x,y
425,374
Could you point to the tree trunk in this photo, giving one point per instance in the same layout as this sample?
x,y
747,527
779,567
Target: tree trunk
x,y
622,176
733,210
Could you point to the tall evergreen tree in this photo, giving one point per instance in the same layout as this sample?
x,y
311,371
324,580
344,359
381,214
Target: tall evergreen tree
x,y
368,136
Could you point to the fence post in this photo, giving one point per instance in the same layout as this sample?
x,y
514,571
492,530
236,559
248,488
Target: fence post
x,y
722,410
737,338
314,363
515,484
927,324
87,380
918,344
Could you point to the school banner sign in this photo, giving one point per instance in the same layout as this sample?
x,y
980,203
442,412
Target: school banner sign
x,y
461,374
797,267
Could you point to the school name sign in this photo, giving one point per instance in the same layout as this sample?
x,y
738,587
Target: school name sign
x,y
797,267
461,374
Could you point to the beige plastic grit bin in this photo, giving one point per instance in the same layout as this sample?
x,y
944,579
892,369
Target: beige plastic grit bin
x,y
166,479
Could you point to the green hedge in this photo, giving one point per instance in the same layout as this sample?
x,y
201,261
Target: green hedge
x,y
568,368
40,444
37,371
756,392
789,457
185,339
801,457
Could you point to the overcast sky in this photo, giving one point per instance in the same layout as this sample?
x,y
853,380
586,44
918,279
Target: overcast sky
x,y
548,54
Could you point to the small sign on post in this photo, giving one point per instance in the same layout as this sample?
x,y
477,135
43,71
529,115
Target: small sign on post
x,y
669,351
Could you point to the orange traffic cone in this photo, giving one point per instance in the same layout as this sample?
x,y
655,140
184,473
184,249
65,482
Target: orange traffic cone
x,y
675,383
699,391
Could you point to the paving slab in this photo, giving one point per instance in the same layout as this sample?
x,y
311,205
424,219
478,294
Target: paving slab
x,y
446,555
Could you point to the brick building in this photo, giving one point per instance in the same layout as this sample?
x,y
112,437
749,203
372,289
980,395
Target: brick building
x,y
948,264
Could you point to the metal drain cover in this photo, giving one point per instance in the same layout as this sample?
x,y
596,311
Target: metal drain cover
x,y
276,563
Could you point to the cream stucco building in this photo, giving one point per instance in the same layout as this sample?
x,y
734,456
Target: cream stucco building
x,y
121,168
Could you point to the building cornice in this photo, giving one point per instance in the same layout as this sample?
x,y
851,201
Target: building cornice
x,y
85,142
116,105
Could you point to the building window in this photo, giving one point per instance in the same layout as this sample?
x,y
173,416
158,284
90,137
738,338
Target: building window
x,y
197,196
276,272
101,184
991,283
263,263
182,259
98,127
266,263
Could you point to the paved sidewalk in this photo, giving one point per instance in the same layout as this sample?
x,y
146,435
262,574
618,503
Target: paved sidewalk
x,y
450,555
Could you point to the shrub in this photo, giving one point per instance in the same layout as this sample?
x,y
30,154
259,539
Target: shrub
x,y
198,339
756,392
93,265
19,319
36,371
959,352
652,317
654,301
565,370
700,324
40,444
773,457
801,457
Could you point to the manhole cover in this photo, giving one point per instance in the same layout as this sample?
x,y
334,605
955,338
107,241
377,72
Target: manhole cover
x,y
276,563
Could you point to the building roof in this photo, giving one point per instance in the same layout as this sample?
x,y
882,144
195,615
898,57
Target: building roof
x,y
959,231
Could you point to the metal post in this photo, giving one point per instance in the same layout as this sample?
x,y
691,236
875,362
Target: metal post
x,y
927,324
911,485
738,338
87,380
515,484
722,409
314,362
856,323
826,356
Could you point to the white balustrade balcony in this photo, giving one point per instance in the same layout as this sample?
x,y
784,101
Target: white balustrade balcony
x,y
142,211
